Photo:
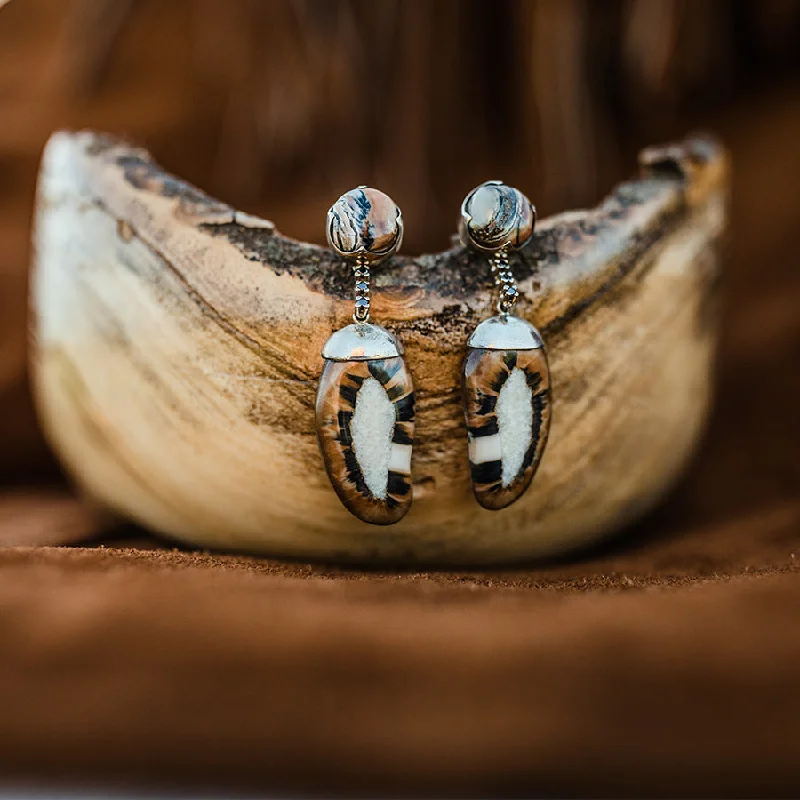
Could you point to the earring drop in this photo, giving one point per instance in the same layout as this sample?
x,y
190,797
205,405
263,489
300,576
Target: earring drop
x,y
506,378
365,399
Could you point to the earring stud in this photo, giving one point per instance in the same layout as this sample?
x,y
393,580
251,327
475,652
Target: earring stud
x,y
365,398
506,377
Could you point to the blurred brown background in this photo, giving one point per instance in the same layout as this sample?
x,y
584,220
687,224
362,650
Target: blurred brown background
x,y
277,107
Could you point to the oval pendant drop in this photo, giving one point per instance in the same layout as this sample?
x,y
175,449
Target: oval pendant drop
x,y
507,408
365,422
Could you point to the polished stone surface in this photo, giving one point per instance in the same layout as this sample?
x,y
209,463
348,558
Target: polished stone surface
x,y
365,222
494,216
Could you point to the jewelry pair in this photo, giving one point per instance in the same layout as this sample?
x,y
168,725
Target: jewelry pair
x,y
365,400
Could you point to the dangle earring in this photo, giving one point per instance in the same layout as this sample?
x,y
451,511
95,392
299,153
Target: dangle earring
x,y
506,378
365,399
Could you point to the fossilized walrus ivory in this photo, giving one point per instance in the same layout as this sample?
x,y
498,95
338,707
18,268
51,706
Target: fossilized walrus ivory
x,y
176,353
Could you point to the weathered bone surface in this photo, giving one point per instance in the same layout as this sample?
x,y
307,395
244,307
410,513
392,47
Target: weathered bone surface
x,y
176,354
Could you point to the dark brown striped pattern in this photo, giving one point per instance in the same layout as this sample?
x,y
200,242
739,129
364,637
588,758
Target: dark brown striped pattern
x,y
336,400
485,373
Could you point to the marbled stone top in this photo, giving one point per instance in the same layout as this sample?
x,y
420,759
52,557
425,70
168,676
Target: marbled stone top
x,y
365,222
494,215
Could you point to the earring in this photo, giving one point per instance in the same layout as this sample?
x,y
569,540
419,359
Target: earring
x,y
506,378
365,399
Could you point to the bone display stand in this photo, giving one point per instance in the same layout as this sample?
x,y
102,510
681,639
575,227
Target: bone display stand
x,y
176,352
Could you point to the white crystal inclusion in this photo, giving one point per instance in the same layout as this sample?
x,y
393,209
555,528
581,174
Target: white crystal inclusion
x,y
515,420
371,428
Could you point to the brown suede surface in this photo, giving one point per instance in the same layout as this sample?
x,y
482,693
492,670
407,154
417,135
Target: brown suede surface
x,y
153,666
666,662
